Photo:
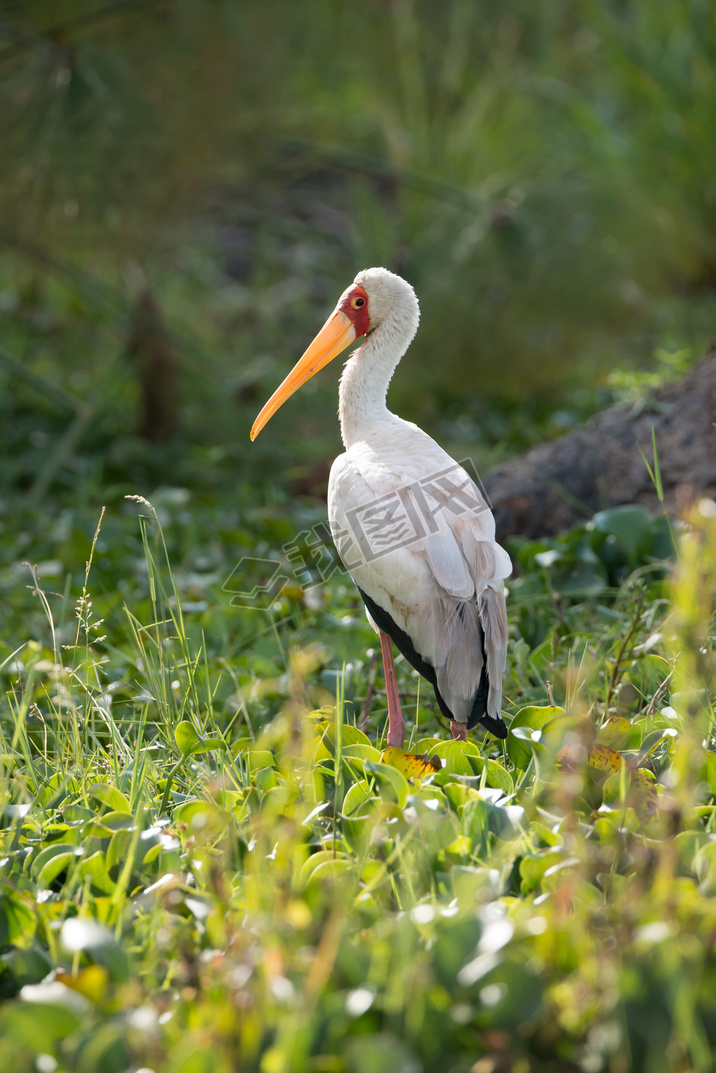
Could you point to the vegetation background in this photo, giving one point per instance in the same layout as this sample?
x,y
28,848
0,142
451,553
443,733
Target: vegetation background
x,y
204,865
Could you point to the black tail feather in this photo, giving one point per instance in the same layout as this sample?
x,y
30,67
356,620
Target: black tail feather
x,y
495,726
405,646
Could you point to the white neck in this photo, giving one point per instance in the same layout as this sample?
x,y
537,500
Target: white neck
x,y
367,374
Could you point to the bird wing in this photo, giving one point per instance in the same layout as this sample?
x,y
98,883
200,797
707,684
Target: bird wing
x,y
420,542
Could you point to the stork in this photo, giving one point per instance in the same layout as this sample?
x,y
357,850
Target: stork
x,y
410,525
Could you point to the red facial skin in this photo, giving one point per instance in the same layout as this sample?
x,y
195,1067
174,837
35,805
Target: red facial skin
x,y
357,312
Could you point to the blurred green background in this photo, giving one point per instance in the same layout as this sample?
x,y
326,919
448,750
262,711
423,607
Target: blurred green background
x,y
544,173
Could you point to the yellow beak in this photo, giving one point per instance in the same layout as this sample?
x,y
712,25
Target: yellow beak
x,y
336,334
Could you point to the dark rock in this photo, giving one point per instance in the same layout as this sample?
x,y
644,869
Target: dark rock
x,y
558,484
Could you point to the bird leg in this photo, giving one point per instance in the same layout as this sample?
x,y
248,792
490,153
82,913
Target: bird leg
x,y
396,723
459,730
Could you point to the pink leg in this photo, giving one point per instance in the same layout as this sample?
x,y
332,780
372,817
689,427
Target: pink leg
x,y
396,723
459,730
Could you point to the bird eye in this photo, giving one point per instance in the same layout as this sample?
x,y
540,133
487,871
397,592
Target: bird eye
x,y
358,302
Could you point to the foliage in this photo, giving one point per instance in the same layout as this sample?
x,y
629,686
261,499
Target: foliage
x,y
206,865
541,173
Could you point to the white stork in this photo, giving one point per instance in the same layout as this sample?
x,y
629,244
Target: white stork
x,y
410,525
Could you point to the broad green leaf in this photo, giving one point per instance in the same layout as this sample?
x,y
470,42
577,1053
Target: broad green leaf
x,y
534,866
96,868
49,1012
359,800
392,785
429,745
619,733
532,718
54,867
260,758
361,752
17,919
329,869
640,792
54,850
350,735
117,821
186,737
497,776
109,795
630,525
118,849
186,812
711,772
325,863
28,966
208,745
96,829
454,755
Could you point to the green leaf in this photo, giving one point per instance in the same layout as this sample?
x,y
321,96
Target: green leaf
x,y
619,733
186,812
118,849
322,865
96,868
533,868
391,784
55,866
497,777
48,1012
260,758
630,525
87,936
534,719
19,920
27,966
55,850
350,735
359,800
186,737
109,796
208,745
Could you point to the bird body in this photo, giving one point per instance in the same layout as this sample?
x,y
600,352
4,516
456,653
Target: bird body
x,y
409,523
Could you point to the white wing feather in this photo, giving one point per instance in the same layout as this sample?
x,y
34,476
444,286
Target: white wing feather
x,y
421,543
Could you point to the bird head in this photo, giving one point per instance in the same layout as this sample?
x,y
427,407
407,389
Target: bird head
x,y
371,300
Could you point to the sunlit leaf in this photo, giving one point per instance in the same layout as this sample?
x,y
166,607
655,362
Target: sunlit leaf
x,y
109,795
604,759
186,737
411,765
620,733
323,865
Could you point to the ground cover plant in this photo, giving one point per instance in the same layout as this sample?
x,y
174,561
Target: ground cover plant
x,y
208,865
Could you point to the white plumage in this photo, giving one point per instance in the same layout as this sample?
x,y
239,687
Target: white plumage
x,y
409,523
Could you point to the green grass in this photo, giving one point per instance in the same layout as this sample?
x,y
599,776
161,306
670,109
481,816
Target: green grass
x,y
206,866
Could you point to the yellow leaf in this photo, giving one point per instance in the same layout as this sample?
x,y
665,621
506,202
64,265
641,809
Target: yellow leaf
x,y
90,981
410,764
604,758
